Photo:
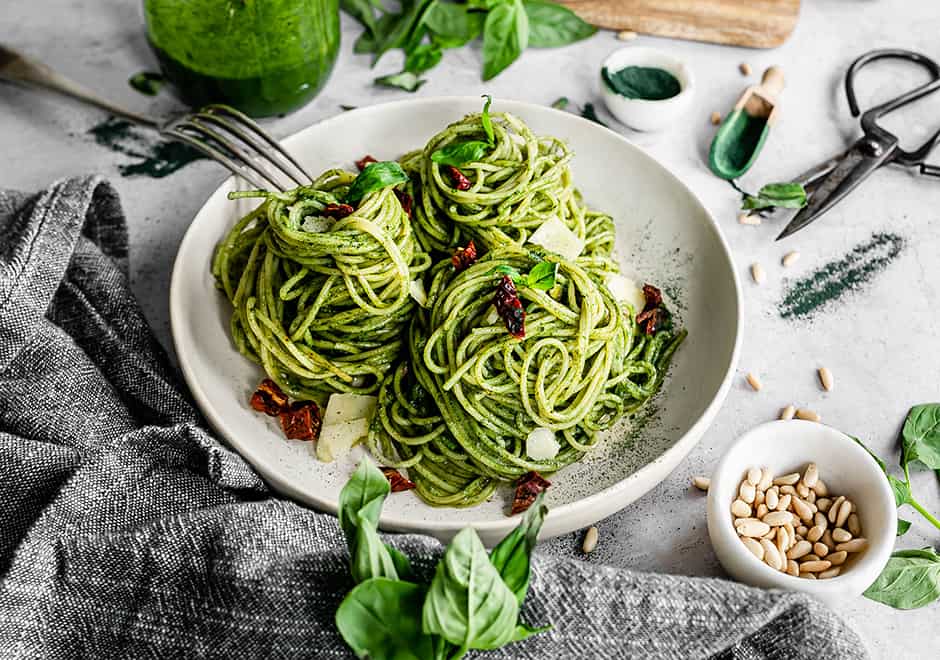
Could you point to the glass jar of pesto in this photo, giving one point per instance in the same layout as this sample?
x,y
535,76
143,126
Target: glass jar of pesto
x,y
265,57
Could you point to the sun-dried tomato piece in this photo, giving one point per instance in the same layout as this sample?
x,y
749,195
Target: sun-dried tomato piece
x,y
405,200
269,398
301,421
461,182
649,320
509,307
365,160
527,489
653,296
396,480
337,211
464,257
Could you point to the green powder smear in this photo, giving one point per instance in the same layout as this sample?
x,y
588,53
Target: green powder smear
x,y
146,82
153,158
827,284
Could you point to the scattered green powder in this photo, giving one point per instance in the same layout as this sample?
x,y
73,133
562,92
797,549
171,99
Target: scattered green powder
x,y
153,158
146,82
832,281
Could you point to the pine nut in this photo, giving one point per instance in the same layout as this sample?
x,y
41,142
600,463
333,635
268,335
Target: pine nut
x,y
809,557
837,558
790,258
766,479
771,555
744,68
747,492
716,119
811,475
855,527
808,576
787,480
815,533
788,412
755,384
840,535
754,476
754,546
741,521
590,540
801,530
782,542
843,514
820,549
811,497
801,549
831,573
821,489
827,540
771,534
825,379
855,545
823,504
791,535
788,490
626,35
757,273
743,218
784,502
771,498
802,490
740,508
819,520
702,483
753,528
814,566
834,509
808,415
801,509
761,509
793,568
778,518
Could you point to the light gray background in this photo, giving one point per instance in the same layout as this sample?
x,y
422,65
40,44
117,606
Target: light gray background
x,y
880,342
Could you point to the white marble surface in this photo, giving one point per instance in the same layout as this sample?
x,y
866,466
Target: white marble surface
x,y
881,342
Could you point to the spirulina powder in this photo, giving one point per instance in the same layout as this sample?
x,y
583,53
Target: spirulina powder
x,y
829,283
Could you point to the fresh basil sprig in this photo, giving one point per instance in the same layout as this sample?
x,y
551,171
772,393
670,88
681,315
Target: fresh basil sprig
x,y
472,602
911,579
425,28
374,177
776,195
541,277
470,151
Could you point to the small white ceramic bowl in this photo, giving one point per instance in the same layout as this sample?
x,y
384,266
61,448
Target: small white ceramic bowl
x,y
644,114
845,467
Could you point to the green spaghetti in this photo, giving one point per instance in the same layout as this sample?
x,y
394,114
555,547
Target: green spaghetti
x,y
321,303
513,342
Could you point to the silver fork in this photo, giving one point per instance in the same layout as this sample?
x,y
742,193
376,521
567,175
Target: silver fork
x,y
222,133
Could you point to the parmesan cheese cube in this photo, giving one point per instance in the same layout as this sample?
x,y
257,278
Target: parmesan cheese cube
x,y
337,439
555,237
626,290
541,445
344,407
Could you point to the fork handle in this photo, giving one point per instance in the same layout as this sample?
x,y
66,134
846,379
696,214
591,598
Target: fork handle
x,y
17,67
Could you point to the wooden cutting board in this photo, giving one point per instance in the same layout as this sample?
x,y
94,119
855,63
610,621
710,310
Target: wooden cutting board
x,y
751,23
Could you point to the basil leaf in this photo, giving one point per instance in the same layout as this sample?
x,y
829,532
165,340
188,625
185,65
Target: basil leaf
x,y
422,58
486,121
468,604
542,276
369,41
505,36
560,103
921,436
370,557
911,579
901,490
362,11
402,563
459,153
511,555
780,195
405,80
903,526
552,25
451,25
381,619
375,177
588,112
524,631
366,484
403,29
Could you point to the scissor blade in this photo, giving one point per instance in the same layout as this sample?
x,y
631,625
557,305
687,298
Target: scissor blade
x,y
854,168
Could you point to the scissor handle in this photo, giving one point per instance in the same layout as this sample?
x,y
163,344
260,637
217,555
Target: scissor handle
x,y
870,117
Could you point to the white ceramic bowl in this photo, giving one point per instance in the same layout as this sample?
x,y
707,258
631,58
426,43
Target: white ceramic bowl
x,y
644,114
664,236
845,467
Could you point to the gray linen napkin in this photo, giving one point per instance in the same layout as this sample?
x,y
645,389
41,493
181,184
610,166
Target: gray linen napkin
x,y
128,531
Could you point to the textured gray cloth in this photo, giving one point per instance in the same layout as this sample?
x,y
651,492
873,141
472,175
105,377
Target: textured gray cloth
x,y
128,531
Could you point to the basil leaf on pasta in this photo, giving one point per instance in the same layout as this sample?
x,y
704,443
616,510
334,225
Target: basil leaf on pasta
x,y
459,153
375,177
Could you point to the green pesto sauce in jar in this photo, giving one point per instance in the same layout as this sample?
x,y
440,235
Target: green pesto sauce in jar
x,y
264,57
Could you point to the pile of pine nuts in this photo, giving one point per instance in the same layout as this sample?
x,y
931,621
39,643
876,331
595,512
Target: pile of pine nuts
x,y
794,525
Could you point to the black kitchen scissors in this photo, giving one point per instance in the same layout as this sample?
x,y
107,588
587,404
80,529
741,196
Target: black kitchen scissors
x,y
827,183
